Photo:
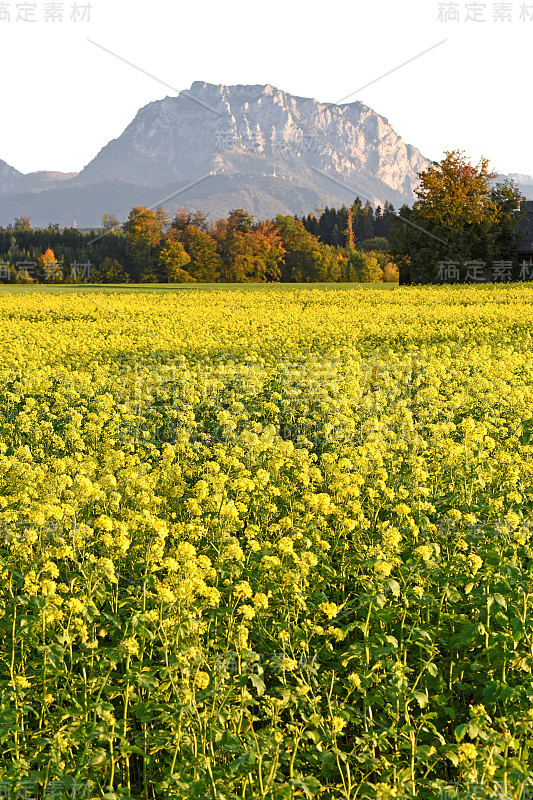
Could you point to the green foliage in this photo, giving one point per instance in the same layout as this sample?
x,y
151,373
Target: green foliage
x,y
377,243
363,267
110,223
459,216
205,262
144,236
174,258
22,224
250,253
360,222
111,271
191,250
306,259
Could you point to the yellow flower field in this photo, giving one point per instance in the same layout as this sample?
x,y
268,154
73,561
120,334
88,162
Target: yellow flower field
x,y
267,544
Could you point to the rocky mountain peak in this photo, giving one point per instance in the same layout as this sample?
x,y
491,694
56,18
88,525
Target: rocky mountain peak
x,y
249,146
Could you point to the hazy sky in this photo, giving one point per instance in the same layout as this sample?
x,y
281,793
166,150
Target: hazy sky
x,y
63,98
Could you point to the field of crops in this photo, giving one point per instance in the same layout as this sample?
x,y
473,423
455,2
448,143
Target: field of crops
x,y
267,544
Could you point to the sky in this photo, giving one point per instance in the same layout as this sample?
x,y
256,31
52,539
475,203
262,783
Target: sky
x,y
466,83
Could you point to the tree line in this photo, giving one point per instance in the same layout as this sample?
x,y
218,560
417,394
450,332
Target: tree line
x,y
346,244
460,217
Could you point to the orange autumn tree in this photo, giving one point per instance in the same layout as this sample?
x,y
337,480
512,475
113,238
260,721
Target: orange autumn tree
x,y
251,252
49,266
456,193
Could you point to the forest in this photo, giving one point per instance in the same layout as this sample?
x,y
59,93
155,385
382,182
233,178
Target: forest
x,y
349,244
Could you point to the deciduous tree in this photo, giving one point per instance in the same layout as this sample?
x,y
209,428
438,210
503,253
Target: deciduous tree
x,y
51,270
459,216
144,232
174,258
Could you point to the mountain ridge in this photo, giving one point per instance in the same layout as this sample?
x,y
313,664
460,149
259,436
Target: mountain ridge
x,y
252,146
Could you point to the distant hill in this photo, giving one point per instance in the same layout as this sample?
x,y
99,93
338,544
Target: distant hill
x,y
12,181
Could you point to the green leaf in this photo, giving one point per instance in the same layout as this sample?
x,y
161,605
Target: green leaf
x,y
470,633
380,600
98,759
419,634
247,759
310,786
421,698
147,681
452,594
492,557
453,757
461,731
500,599
517,630
258,683
394,587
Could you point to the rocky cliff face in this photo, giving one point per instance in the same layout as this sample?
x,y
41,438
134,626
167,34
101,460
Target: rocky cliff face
x,y
260,130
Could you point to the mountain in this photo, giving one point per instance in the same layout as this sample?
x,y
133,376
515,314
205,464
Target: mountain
x,y
13,181
217,148
257,130
44,179
524,180
524,183
241,146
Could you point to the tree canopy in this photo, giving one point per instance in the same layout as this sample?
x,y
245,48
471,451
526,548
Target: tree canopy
x,y
459,216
